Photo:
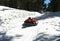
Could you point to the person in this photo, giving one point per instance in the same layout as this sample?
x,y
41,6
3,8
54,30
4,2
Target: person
x,y
33,20
28,20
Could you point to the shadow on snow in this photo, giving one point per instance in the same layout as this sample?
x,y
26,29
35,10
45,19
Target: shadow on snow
x,y
3,37
48,15
45,37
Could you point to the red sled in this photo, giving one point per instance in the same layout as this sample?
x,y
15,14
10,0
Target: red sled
x,y
30,22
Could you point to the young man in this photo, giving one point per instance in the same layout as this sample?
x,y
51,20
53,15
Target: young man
x,y
29,20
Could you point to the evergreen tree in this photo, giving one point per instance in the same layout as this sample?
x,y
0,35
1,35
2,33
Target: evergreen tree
x,y
31,5
54,6
44,7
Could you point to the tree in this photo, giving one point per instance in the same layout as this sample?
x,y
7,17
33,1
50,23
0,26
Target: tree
x,y
31,5
54,6
44,7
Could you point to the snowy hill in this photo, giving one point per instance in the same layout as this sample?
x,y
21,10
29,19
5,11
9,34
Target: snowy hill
x,y
11,20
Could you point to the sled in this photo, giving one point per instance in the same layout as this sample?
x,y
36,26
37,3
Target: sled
x,y
29,24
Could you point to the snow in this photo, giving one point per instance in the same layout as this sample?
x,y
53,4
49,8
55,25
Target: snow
x,y
11,20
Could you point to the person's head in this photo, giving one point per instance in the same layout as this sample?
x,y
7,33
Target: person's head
x,y
29,18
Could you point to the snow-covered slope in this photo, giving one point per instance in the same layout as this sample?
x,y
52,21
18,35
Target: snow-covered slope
x,y
11,20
